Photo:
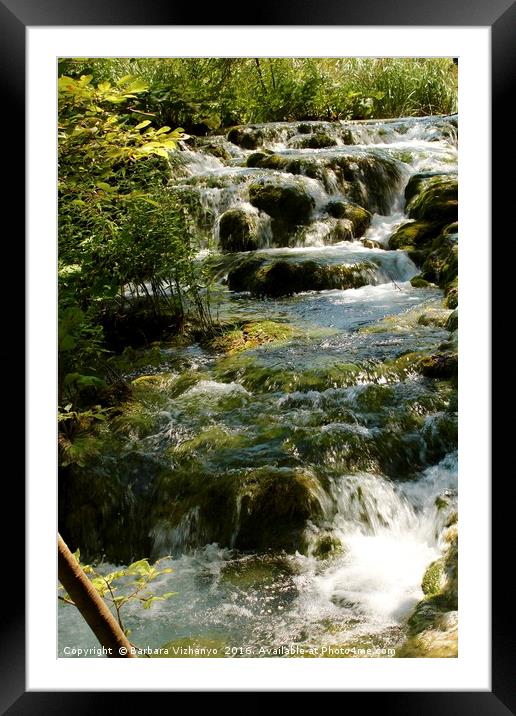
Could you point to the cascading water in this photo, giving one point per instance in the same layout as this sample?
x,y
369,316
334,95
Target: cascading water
x,y
366,457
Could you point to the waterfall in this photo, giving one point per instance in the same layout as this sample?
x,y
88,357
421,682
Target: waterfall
x,y
299,471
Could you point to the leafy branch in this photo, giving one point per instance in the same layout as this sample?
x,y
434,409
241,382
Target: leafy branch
x,y
124,586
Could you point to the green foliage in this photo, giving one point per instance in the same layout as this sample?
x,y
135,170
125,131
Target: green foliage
x,y
126,248
126,585
220,92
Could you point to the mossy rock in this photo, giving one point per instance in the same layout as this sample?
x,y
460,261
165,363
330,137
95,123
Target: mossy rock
x,y
212,439
359,217
414,234
275,504
372,244
451,563
327,546
254,159
439,365
135,420
263,378
238,231
346,136
452,324
284,278
155,379
432,626
240,277
442,263
217,150
437,317
435,199
435,642
185,381
249,509
433,578
246,137
417,182
251,335
305,166
381,176
289,204
339,230
190,493
420,282
317,140
452,294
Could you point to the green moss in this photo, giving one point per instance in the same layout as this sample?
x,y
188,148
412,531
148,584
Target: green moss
x,y
417,234
254,159
439,365
317,140
442,503
217,150
186,380
439,642
420,282
251,335
452,294
326,547
433,578
434,317
136,420
284,278
432,626
275,504
245,137
452,323
360,218
441,264
240,276
209,440
451,564
434,198
238,231
289,204
155,379
293,165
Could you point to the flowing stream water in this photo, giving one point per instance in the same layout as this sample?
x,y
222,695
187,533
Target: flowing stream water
x,y
371,450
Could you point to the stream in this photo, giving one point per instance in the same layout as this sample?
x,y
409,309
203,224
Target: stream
x,y
302,486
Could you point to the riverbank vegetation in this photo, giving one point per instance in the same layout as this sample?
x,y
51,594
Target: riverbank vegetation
x,y
126,248
205,94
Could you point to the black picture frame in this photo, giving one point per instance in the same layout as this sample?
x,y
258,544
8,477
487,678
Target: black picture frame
x,y
15,17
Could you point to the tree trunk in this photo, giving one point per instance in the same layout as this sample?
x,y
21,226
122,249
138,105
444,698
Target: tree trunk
x,y
258,67
91,605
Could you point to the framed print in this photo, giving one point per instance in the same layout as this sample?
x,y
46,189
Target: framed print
x,y
270,439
